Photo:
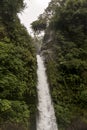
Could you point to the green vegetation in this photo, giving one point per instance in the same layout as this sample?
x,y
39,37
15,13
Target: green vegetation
x,y
38,25
17,68
65,49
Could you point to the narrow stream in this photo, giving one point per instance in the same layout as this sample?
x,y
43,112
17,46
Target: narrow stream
x,y
46,119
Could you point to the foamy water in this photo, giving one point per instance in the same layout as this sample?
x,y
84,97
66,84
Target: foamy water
x,y
46,119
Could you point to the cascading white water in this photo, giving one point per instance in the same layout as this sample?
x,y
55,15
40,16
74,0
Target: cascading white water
x,y
46,119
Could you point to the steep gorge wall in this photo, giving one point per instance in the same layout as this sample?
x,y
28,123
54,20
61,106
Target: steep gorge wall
x,y
65,51
17,69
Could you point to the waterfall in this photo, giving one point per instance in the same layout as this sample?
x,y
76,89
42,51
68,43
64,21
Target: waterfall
x,y
46,119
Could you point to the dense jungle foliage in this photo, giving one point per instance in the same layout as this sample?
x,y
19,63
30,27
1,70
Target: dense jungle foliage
x,y
17,69
65,50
